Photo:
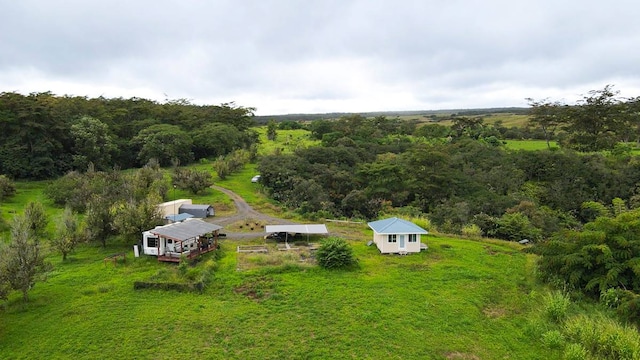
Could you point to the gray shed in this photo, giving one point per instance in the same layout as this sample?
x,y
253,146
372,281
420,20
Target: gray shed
x,y
197,210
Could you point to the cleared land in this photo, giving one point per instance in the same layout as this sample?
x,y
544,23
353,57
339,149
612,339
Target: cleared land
x,y
460,297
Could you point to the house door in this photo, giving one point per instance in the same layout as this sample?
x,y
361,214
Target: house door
x,y
402,246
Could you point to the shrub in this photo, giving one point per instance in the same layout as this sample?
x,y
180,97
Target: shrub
x,y
7,188
604,338
553,339
472,231
575,352
556,305
335,253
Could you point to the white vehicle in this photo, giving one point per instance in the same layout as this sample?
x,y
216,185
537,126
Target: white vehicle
x,y
255,179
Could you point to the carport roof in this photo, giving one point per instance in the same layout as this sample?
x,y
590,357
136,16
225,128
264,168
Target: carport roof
x,y
298,228
185,230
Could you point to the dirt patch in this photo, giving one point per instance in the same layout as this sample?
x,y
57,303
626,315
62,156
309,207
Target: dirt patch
x,y
494,312
303,256
258,289
461,356
415,267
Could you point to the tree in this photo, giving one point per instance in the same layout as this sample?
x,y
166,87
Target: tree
x,y
272,132
515,227
69,233
191,179
335,253
604,255
149,180
20,260
130,219
36,218
547,115
93,144
99,219
164,142
216,139
597,122
7,188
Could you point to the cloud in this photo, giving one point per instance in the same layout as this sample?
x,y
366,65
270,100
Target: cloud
x,y
293,56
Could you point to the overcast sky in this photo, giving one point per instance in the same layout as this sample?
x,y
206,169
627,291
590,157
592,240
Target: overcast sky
x,y
319,56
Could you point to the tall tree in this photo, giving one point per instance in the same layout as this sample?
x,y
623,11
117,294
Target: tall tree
x,y
93,144
164,143
596,122
272,130
547,115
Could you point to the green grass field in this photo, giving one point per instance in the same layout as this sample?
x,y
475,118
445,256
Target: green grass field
x,y
460,297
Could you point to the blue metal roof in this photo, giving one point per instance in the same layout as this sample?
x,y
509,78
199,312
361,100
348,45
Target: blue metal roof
x,y
178,217
396,226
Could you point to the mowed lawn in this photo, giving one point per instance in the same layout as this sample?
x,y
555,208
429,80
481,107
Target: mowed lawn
x,y
461,299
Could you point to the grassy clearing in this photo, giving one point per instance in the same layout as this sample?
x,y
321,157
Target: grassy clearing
x,y
529,144
456,298
287,141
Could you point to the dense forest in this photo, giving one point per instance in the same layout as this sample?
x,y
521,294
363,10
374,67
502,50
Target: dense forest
x,y
45,136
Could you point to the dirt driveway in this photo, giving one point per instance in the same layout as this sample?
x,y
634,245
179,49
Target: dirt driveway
x,y
243,211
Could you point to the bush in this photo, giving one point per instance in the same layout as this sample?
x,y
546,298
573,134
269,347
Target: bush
x,y
7,188
335,253
553,339
556,305
575,352
604,338
472,231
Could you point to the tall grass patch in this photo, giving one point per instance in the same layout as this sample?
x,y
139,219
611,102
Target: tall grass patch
x,y
603,338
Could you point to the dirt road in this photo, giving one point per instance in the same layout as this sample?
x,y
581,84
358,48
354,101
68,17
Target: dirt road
x,y
243,212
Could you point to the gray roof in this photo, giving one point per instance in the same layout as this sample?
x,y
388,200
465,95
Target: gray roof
x,y
185,230
396,226
178,217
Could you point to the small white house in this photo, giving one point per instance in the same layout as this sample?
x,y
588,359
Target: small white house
x,y
397,236
190,237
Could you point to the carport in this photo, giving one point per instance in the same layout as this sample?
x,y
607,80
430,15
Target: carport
x,y
320,229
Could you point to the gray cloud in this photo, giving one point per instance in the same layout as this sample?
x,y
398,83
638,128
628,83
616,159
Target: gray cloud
x,y
321,56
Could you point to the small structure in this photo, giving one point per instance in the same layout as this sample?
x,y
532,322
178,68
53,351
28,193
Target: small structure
x,y
190,238
174,218
197,210
172,207
397,236
288,230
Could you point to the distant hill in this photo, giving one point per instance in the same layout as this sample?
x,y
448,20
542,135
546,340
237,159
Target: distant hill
x,y
425,113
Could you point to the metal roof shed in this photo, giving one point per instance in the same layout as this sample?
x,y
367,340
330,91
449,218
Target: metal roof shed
x,y
197,210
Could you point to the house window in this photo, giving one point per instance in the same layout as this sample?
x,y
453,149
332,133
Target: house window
x,y
169,241
152,242
413,238
392,238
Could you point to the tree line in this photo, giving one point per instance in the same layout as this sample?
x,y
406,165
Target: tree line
x,y
45,136
461,176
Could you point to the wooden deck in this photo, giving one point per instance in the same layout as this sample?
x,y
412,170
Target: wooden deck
x,y
175,257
